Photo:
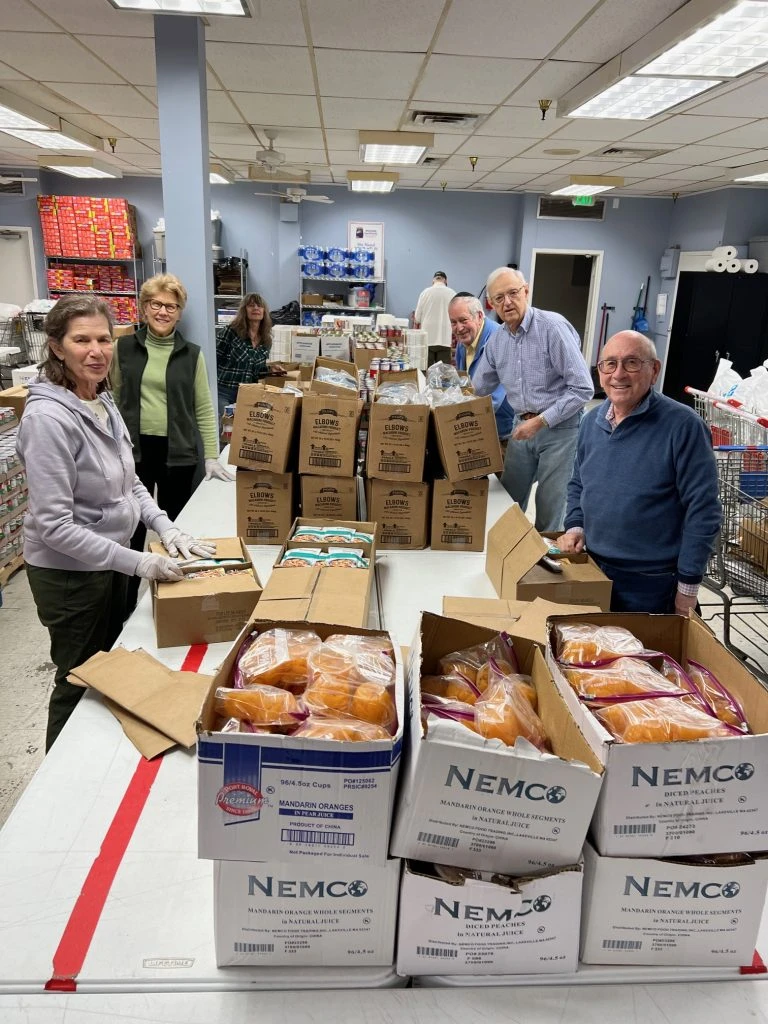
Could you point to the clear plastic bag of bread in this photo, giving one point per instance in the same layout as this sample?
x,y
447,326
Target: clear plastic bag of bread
x,y
277,657
660,720
236,725
354,677
581,643
472,662
718,698
623,677
268,706
504,711
341,730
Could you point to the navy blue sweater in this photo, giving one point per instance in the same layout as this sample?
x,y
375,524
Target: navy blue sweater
x,y
646,492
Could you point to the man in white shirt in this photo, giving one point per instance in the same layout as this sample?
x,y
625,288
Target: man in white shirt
x,y
432,316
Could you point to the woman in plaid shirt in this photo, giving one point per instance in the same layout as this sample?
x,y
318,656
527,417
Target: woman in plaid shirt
x,y
242,348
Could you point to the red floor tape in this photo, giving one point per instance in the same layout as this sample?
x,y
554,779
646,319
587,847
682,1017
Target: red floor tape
x,y
78,933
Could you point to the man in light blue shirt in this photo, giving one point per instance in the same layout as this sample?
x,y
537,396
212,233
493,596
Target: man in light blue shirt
x,y
537,358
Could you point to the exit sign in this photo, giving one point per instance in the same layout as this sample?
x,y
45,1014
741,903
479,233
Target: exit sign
x,y
583,200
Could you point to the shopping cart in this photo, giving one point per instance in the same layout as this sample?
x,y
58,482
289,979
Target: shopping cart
x,y
34,336
738,569
11,348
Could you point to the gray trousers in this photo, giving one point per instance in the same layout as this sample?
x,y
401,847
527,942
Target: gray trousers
x,y
547,459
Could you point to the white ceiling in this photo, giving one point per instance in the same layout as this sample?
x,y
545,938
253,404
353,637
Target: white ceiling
x,y
320,70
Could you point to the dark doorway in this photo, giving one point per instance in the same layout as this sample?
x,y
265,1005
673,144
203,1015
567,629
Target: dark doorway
x,y
562,282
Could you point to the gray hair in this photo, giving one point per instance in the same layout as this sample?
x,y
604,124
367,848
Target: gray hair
x,y
646,344
503,270
474,305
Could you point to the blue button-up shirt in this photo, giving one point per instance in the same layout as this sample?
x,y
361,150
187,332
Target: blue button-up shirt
x,y
540,366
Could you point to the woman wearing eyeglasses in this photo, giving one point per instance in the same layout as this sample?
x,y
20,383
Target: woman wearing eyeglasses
x,y
242,349
161,387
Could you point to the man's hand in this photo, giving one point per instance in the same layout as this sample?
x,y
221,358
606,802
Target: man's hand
x,y
528,428
684,603
571,543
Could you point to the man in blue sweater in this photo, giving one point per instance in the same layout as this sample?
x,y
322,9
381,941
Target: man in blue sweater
x,y
643,496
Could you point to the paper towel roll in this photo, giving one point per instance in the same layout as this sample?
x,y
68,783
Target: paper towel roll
x,y
725,252
716,265
749,266
733,266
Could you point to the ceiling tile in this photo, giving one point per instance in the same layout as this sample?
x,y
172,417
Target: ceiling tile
x,y
303,156
301,138
483,166
341,138
362,114
130,147
554,79
112,100
539,149
53,57
524,121
253,68
357,24
614,26
81,16
471,79
134,59
649,168
386,76
755,134
506,179
51,99
698,154
345,156
221,108
748,101
282,111
240,134
753,156
594,166
274,23
138,127
22,17
591,128
521,165
687,128
7,74
94,125
530,28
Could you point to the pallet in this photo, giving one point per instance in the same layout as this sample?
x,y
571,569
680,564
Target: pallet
x,y
8,570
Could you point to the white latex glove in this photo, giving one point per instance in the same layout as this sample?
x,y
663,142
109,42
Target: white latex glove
x,y
176,543
157,567
213,468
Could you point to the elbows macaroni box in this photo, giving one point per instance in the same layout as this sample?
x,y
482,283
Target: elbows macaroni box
x,y
676,799
283,798
454,924
467,439
263,428
478,803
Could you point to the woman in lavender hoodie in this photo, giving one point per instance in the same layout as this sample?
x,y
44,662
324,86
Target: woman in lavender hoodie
x,y
85,499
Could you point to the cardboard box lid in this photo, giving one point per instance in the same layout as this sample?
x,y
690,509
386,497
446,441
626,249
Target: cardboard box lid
x,y
397,377
514,547
320,387
526,620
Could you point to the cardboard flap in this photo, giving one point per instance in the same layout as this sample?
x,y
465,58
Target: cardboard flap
x,y
514,547
167,700
147,740
491,612
532,624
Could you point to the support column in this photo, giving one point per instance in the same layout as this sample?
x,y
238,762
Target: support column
x,y
183,112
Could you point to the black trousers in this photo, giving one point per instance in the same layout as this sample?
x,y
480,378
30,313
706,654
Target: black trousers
x,y
83,613
174,486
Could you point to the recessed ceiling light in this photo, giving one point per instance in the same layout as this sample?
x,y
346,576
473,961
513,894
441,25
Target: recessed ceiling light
x,y
582,190
754,177
225,8
394,147
562,152
637,98
589,185
47,140
372,181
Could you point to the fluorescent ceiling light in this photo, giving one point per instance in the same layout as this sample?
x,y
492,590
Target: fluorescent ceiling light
x,y
12,119
582,190
79,166
394,147
225,8
372,181
47,140
754,177
220,175
589,185
16,112
735,42
636,98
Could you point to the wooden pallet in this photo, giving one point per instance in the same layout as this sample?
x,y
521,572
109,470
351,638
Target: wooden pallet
x,y
8,570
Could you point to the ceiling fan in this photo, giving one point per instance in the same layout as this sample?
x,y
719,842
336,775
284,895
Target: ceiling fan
x,y
10,179
296,195
271,159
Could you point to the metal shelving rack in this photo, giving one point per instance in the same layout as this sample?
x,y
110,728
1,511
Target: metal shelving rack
x,y
135,262
378,306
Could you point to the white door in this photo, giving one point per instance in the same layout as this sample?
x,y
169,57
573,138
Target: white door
x,y
18,282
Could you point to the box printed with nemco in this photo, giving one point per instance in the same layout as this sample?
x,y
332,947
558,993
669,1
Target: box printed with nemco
x,y
459,512
262,430
467,439
328,497
206,609
329,434
674,799
478,803
397,438
644,911
401,510
305,913
454,923
284,798
264,506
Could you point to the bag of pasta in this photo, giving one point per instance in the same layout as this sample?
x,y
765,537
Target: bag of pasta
x,y
260,705
660,720
472,662
341,730
504,711
354,679
277,657
581,643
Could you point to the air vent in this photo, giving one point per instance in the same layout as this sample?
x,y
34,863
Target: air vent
x,y
632,153
555,208
445,119
12,188
432,161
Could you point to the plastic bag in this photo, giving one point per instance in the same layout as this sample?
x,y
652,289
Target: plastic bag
x,y
472,662
581,643
442,376
504,712
277,657
339,378
349,678
726,379
262,705
452,687
406,393
354,644
724,704
660,720
318,727
622,677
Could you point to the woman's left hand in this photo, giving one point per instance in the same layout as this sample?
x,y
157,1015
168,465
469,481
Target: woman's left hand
x,y
176,543
213,468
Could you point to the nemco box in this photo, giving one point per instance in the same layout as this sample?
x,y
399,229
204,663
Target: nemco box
x,y
452,923
308,913
671,913
676,799
282,798
477,803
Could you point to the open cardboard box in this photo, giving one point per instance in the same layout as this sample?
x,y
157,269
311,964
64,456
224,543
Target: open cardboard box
x,y
274,797
263,428
754,535
514,549
477,803
677,799
397,434
15,398
526,620
467,439
208,610
321,387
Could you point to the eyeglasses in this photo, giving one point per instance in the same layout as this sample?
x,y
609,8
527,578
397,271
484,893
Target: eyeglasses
x,y
631,364
512,294
155,306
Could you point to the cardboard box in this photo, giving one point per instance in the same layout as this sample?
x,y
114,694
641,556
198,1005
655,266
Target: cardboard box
x,y
298,915
321,387
658,912
364,356
472,926
15,398
311,299
478,803
677,799
210,610
467,439
264,506
514,549
285,798
459,512
328,497
334,347
754,534
397,440
402,512
305,348
526,620
329,434
262,431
